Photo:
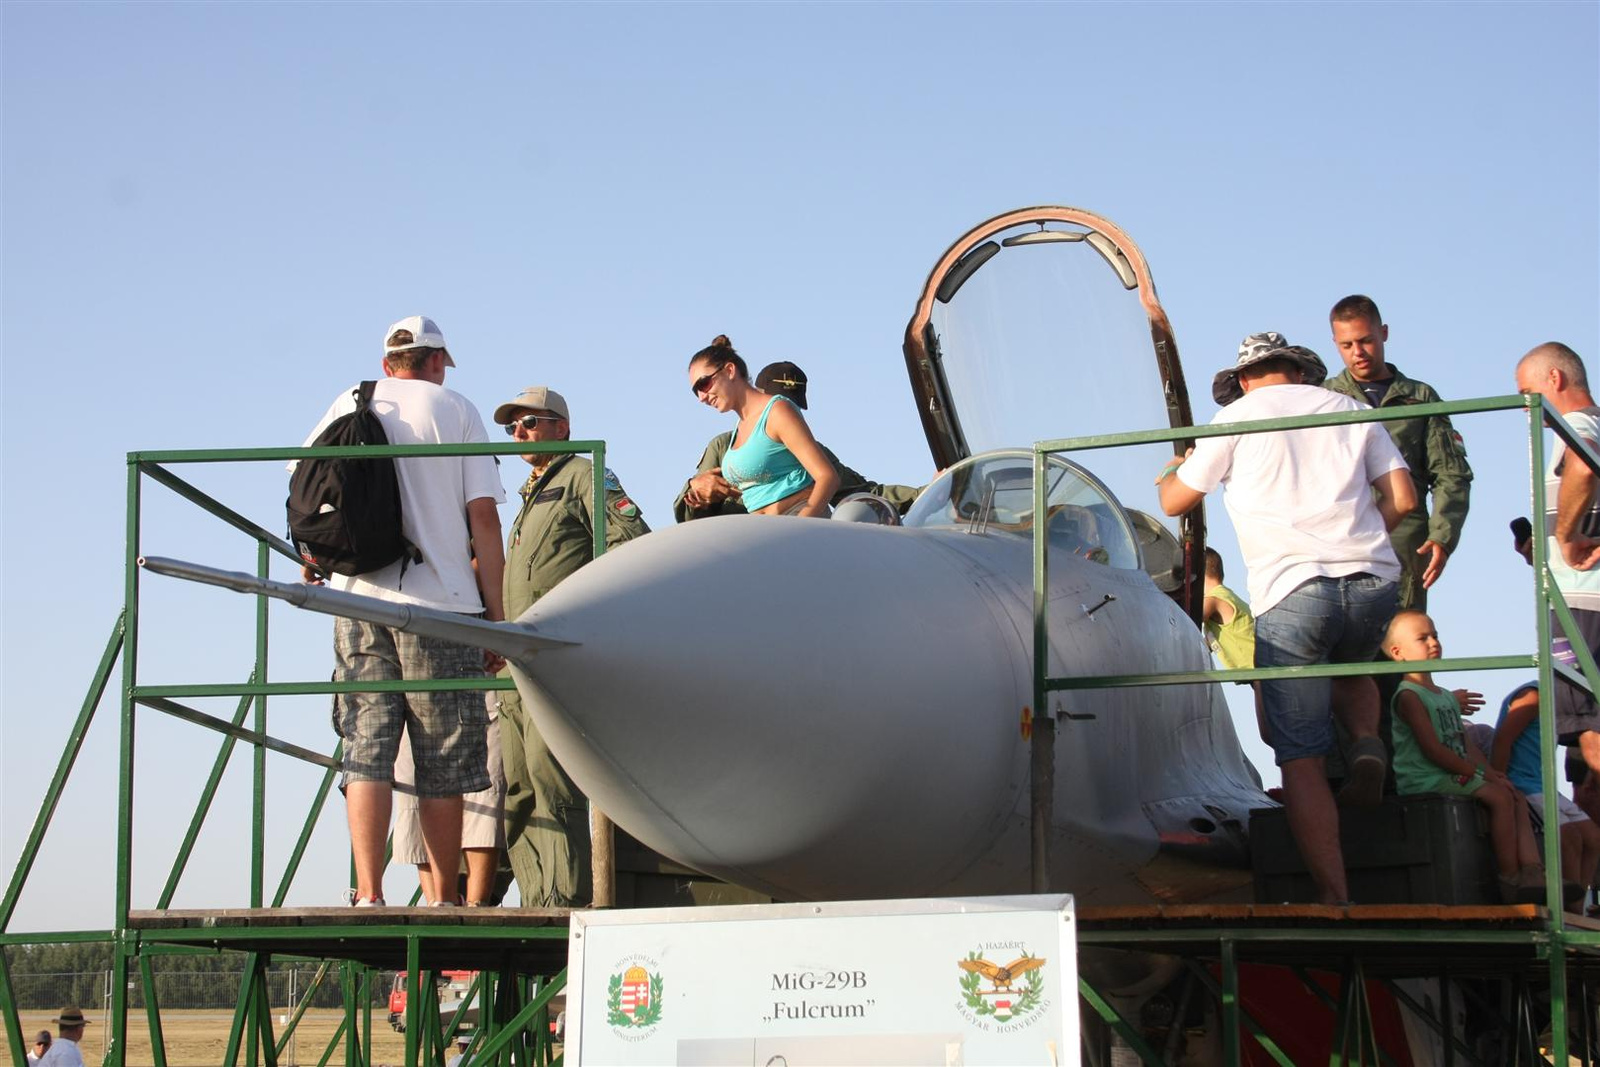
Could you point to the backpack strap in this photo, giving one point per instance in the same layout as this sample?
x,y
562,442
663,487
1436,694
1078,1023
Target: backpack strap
x,y
364,394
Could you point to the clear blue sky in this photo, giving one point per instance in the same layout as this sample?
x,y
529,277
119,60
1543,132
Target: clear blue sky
x,y
211,211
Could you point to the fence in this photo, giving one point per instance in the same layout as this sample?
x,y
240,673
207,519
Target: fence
x,y
288,986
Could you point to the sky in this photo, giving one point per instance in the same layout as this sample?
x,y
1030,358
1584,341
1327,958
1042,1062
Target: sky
x,y
211,212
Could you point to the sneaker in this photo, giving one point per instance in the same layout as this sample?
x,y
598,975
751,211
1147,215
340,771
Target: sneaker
x,y
362,902
1363,784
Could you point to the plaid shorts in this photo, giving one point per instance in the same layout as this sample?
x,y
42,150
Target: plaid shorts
x,y
447,729
483,814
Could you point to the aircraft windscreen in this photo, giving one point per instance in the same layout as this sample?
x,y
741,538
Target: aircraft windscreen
x,y
1043,341
994,492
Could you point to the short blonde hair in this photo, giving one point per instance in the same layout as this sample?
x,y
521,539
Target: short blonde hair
x,y
1388,634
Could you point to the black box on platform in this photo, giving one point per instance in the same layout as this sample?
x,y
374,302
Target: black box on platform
x,y
1423,849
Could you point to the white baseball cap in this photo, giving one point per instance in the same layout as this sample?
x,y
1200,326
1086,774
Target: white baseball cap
x,y
425,333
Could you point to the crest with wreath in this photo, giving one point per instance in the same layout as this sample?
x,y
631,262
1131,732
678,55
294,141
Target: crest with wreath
x,y
1003,980
644,1015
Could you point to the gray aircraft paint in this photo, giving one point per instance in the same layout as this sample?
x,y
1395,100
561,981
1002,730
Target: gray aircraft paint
x,y
832,710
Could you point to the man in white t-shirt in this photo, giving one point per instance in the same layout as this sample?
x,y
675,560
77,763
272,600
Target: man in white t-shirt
x,y
1323,578
1572,526
449,511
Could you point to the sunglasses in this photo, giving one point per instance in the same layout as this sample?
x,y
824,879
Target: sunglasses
x,y
702,383
529,422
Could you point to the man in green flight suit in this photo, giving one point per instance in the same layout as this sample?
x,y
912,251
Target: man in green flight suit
x,y
708,493
547,818
1431,447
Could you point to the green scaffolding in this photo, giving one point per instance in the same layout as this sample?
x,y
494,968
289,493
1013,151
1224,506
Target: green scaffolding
x,y
514,996
515,992
1566,954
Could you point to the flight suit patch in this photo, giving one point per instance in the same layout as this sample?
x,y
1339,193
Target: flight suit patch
x,y
611,480
627,508
551,494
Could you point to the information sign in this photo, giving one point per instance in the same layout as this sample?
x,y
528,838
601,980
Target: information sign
x,y
979,980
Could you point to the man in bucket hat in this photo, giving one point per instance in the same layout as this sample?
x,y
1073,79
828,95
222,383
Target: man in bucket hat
x,y
1323,577
64,1051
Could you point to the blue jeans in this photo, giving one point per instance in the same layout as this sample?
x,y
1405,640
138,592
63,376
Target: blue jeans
x,y
1325,620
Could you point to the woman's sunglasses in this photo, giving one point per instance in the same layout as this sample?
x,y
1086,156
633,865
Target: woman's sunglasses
x,y
702,383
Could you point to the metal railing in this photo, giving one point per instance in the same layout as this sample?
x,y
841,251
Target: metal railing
x,y
1560,937
252,1021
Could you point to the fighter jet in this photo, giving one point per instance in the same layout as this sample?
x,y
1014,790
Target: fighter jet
x,y
864,733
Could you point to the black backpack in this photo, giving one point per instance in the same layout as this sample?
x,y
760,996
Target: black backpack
x,y
344,514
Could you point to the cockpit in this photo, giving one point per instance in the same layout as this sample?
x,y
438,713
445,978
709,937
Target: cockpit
x,y
1022,334
993,493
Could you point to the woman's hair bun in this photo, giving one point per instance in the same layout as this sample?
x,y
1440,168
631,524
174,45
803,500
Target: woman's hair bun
x,y
721,341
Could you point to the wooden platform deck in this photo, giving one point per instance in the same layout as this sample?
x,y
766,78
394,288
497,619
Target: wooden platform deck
x,y
531,940
1395,938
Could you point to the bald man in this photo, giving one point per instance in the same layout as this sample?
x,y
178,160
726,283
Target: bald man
x,y
1572,526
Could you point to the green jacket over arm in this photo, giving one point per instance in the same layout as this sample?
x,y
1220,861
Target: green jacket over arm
x,y
553,533
1434,451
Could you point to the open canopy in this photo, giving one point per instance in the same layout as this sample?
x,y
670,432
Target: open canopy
x,y
1043,323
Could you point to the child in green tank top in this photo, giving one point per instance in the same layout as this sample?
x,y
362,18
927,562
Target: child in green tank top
x,y
1231,631
1230,628
1432,754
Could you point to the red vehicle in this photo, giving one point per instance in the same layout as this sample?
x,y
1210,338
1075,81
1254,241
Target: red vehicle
x,y
452,987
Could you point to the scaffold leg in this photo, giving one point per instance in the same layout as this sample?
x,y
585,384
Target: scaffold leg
x,y
414,986
117,1040
1198,971
241,1011
305,1002
518,1024
8,1009
1452,1043
1558,996
152,1010
352,1011
364,991
333,1042
267,1043
1230,1003
1125,1030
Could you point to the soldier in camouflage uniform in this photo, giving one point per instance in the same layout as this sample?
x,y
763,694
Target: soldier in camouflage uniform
x,y
1431,447
708,493
547,818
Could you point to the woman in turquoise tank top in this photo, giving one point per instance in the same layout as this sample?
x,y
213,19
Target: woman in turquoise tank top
x,y
774,462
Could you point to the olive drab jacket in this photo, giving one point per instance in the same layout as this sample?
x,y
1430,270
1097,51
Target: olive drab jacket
x,y
901,496
1437,457
553,533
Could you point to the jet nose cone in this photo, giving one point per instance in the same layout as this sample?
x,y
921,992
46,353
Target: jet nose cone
x,y
783,702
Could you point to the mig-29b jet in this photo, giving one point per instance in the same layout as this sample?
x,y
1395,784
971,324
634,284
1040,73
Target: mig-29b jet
x,y
870,740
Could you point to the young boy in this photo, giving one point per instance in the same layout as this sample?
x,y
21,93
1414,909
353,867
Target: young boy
x,y
1433,755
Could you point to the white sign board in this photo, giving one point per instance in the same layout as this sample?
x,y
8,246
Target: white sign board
x,y
981,980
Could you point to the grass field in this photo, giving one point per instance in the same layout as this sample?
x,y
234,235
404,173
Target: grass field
x,y
199,1038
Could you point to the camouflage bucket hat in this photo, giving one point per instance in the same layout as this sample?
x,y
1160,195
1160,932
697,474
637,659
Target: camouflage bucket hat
x,y
1258,348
